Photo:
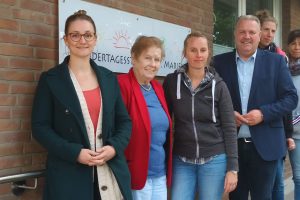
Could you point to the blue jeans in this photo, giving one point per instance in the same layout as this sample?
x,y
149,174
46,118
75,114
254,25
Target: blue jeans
x,y
256,175
206,179
295,163
154,189
278,189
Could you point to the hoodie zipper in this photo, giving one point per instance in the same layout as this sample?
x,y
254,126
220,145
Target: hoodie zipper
x,y
193,93
194,124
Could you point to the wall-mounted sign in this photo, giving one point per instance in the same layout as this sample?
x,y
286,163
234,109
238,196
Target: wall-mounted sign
x,y
117,31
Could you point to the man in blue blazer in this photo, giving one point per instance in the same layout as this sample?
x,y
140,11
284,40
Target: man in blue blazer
x,y
262,92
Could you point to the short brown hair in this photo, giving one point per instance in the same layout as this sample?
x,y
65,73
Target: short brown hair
x,y
80,14
144,42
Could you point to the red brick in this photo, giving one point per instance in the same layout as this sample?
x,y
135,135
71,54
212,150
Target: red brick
x,y
14,161
49,64
24,100
51,54
22,88
9,24
8,100
33,147
29,15
12,37
16,75
39,29
25,63
39,6
5,113
43,42
3,61
25,125
4,87
39,158
21,112
51,20
5,188
30,168
16,50
15,136
9,125
5,12
9,2
11,149
11,171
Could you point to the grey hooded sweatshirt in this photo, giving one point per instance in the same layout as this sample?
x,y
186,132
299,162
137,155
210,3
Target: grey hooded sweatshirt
x,y
204,117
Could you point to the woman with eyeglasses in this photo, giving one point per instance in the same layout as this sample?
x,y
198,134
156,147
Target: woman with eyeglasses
x,y
79,117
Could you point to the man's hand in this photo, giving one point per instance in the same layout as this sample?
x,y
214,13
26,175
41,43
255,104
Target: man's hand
x,y
239,119
254,117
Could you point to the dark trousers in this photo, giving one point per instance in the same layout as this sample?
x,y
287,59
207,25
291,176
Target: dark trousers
x,y
96,186
256,175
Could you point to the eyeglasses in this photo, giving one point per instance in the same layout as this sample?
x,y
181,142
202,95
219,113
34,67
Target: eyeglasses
x,y
75,37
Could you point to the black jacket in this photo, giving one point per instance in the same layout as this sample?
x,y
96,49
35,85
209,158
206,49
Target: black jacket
x,y
204,123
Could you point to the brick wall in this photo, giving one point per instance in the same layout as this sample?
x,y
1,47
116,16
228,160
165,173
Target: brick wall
x,y
290,18
29,45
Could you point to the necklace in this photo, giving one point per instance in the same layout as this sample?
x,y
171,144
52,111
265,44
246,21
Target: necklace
x,y
147,87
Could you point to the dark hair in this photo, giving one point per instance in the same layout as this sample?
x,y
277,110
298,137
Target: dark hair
x,y
144,42
79,15
293,35
265,16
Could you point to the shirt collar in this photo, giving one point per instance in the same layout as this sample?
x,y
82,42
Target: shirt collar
x,y
237,56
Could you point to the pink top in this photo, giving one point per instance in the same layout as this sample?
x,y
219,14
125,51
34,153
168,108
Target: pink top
x,y
93,101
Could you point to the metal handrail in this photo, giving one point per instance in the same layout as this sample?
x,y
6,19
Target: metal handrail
x,y
19,181
21,177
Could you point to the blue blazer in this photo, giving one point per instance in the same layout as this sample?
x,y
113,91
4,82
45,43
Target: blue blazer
x,y
272,91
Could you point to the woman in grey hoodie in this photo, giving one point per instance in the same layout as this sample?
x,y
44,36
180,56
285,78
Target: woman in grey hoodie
x,y
205,158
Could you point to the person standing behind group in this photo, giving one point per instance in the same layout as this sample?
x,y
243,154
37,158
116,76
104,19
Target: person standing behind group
x,y
79,117
268,29
149,153
294,67
262,92
205,144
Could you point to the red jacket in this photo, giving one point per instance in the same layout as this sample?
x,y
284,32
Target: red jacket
x,y
138,149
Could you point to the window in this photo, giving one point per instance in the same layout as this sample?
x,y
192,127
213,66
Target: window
x,y
226,13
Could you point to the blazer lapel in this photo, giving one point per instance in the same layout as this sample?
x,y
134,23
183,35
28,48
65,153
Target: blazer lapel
x,y
256,76
234,83
141,102
62,87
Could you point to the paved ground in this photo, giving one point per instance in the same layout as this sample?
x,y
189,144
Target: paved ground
x,y
289,189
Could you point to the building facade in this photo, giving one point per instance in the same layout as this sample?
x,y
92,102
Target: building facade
x,y
29,45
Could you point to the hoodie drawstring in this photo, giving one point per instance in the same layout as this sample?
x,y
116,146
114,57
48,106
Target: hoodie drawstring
x,y
178,95
178,86
213,100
